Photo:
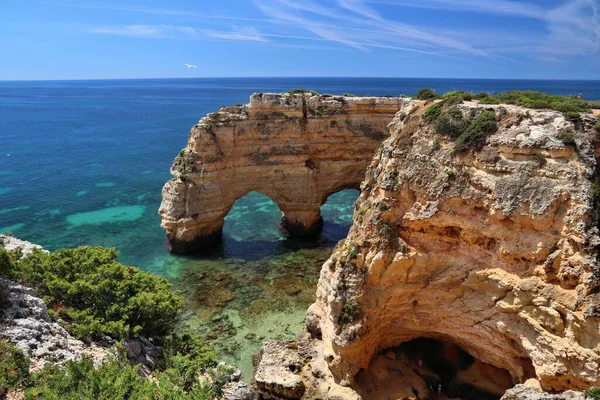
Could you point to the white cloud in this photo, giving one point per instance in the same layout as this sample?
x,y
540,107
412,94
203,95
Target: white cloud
x,y
156,31
249,34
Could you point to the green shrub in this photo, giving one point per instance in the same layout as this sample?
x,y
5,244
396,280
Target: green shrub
x,y
538,100
572,116
96,295
302,91
7,263
485,124
593,393
349,312
463,95
566,137
348,95
597,127
116,379
427,94
481,96
14,366
448,126
433,112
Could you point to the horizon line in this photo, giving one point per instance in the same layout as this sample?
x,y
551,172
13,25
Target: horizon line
x,y
298,77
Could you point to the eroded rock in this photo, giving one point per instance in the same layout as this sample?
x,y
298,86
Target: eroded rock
x,y
296,149
493,250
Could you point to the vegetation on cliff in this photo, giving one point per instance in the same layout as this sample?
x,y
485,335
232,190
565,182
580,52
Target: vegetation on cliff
x,y
92,294
570,106
466,131
177,378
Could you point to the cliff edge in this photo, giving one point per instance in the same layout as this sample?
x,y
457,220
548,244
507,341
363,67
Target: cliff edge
x,y
471,265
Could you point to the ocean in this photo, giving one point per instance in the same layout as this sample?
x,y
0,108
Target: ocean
x,y
83,163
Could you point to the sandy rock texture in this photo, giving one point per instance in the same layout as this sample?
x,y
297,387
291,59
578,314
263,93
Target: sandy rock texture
x,y
297,149
493,250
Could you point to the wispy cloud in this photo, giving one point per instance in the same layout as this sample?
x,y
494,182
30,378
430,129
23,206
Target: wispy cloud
x,y
249,34
384,33
572,27
155,31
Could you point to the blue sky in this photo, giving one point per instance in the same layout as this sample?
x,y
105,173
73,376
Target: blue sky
x,y
81,39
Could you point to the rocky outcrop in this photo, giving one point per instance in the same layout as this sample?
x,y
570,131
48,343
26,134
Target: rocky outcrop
x,y
296,149
26,324
491,251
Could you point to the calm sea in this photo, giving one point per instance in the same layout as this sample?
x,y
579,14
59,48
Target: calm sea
x,y
83,163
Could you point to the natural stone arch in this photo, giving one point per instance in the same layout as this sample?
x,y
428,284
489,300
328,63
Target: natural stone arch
x,y
296,149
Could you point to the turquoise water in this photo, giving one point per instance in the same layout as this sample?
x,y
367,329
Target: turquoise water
x,y
83,163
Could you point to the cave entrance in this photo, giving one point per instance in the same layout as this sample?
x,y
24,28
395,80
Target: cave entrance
x,y
429,369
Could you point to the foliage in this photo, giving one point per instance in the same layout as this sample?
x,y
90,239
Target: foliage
x,y
348,95
457,97
433,112
572,116
96,295
184,162
451,123
427,94
566,137
116,379
541,100
7,263
597,127
349,312
302,91
593,393
14,366
484,125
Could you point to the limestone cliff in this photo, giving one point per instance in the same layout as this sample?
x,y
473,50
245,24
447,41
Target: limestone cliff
x,y
489,248
296,149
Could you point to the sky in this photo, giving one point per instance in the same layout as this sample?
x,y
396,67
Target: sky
x,y
108,39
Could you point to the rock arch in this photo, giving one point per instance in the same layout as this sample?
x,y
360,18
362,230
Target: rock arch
x,y
296,149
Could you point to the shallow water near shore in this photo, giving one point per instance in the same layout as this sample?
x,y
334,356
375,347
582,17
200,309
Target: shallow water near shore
x,y
83,163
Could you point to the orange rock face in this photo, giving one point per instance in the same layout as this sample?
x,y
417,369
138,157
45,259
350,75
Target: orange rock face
x,y
493,249
296,149
490,250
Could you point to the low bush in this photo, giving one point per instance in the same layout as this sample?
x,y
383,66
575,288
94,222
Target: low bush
x,y
116,379
7,263
572,116
540,100
433,112
302,91
461,94
14,366
597,127
427,94
93,294
593,393
566,137
485,124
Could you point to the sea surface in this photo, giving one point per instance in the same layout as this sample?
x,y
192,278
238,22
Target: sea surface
x,y
83,163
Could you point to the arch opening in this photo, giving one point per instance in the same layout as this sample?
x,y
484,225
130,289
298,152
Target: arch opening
x,y
427,369
250,228
337,211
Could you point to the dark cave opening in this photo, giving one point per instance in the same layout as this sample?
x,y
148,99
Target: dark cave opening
x,y
429,369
